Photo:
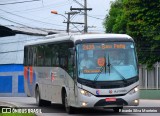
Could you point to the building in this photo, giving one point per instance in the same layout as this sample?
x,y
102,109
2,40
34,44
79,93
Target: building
x,y
12,41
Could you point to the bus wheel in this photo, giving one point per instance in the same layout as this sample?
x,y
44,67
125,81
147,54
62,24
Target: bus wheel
x,y
68,108
117,109
38,98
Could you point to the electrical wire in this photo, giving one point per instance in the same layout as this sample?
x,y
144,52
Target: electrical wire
x,y
42,7
84,13
19,2
32,19
78,3
22,24
91,16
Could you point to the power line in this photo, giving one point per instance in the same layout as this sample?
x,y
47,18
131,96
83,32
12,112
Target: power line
x,y
13,21
85,13
39,8
19,2
91,16
78,3
31,19
21,24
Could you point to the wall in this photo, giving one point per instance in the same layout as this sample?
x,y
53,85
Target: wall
x,y
11,80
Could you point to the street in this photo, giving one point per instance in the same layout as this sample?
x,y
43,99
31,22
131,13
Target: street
x,y
58,110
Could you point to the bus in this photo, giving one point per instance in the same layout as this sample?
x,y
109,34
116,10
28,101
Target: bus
x,y
55,71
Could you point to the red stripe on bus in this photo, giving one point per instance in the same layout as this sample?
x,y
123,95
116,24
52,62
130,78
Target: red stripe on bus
x,y
31,75
25,72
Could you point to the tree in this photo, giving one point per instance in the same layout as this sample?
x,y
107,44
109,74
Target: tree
x,y
115,21
139,19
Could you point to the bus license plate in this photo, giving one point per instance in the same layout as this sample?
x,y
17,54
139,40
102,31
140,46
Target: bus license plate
x,y
110,99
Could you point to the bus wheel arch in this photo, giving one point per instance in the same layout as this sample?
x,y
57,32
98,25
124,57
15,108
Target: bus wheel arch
x,y
69,109
37,95
39,100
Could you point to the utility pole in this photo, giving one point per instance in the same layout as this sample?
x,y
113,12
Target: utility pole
x,y
68,20
85,14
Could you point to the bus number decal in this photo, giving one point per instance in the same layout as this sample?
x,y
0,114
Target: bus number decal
x,y
88,47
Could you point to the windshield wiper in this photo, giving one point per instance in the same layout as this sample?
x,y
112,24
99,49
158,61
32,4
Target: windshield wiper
x,y
101,69
109,64
99,73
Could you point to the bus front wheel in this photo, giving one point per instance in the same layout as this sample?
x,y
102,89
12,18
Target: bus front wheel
x,y
68,108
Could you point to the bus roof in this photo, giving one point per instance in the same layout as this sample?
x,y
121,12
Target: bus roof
x,y
80,37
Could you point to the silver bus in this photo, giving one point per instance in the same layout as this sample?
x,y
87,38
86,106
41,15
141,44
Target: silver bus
x,y
82,71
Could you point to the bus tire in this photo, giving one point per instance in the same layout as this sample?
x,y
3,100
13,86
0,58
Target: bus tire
x,y
39,101
69,109
46,103
117,109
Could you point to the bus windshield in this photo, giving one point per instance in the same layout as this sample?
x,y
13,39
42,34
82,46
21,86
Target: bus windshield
x,y
111,61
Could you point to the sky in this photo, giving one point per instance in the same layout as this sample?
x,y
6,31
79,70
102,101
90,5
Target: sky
x,y
37,13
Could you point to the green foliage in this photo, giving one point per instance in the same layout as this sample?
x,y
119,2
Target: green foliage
x,y
139,19
115,21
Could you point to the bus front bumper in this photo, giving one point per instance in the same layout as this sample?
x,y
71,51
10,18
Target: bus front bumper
x,y
120,101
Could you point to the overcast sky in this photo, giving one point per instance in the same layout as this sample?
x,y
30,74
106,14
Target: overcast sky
x,y
36,13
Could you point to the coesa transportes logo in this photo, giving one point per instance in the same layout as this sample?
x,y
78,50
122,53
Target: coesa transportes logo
x,y
110,91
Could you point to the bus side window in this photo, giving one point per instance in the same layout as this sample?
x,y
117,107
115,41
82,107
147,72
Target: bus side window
x,y
47,52
30,56
63,56
34,56
40,55
55,56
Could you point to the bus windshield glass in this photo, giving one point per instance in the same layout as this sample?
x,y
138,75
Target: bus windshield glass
x,y
111,61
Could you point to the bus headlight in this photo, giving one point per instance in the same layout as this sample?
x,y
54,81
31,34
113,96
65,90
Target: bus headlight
x,y
134,90
86,93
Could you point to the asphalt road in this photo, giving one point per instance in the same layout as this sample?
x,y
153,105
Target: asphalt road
x,y
58,110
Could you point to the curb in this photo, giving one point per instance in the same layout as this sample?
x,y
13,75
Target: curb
x,y
7,104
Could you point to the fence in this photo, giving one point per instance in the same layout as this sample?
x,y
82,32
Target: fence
x,y
150,79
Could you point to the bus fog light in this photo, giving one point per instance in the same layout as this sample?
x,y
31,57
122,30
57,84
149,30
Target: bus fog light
x,y
84,104
136,101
